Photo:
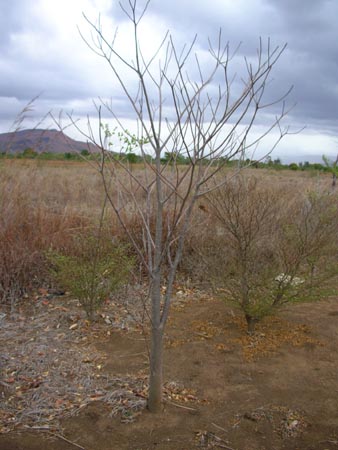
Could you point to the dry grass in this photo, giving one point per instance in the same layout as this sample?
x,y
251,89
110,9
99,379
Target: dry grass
x,y
43,202
40,205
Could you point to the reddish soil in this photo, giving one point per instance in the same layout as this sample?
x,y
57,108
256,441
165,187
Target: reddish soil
x,y
276,390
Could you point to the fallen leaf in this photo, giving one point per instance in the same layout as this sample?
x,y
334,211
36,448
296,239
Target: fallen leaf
x,y
10,380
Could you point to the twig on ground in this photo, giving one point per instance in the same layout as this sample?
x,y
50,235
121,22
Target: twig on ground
x,y
203,335
67,440
225,446
129,355
220,428
222,440
180,406
57,435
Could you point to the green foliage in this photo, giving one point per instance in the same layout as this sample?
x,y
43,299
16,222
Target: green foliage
x,y
317,166
293,166
128,142
331,166
174,157
92,270
29,153
132,158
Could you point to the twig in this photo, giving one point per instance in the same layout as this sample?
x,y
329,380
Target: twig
x,y
219,444
220,428
205,336
181,406
47,428
67,440
128,355
224,446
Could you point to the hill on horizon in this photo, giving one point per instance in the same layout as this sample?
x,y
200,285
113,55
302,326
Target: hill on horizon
x,y
41,140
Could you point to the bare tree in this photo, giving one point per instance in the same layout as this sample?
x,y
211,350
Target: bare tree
x,y
197,116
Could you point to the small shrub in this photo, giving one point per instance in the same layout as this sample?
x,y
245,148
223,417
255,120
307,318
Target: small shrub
x,y
274,246
293,166
92,270
29,153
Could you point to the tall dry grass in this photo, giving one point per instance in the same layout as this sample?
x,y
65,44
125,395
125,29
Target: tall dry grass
x,y
40,206
42,203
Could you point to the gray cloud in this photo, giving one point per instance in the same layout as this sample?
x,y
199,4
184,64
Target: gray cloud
x,y
11,19
34,59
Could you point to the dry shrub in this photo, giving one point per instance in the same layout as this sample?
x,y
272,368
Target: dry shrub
x,y
34,217
201,244
20,245
26,233
264,245
43,205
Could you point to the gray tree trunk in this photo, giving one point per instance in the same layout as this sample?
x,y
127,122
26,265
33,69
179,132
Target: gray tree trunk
x,y
156,369
251,323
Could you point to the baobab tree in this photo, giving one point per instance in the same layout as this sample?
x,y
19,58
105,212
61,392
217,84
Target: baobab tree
x,y
197,116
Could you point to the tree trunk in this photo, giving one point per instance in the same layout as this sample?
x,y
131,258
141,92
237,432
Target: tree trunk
x,y
251,323
156,351
156,372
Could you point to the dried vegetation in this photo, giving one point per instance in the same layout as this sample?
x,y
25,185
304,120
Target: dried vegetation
x,y
52,369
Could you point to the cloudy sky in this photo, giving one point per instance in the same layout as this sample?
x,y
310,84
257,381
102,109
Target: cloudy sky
x,y
42,53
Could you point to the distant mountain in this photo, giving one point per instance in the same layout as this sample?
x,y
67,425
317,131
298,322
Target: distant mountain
x,y
51,141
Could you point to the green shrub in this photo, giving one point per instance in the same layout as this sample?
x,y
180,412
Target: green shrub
x,y
29,153
92,270
293,166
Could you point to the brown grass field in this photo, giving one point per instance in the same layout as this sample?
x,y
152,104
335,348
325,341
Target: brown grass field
x,y
67,384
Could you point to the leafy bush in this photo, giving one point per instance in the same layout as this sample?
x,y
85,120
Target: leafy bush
x,y
293,166
29,153
92,270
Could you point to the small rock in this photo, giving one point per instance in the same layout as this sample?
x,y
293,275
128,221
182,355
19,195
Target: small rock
x,y
293,424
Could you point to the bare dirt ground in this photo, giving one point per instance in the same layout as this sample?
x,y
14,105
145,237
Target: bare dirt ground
x,y
67,385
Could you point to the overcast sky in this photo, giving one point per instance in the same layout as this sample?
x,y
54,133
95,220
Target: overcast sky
x,y
41,52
